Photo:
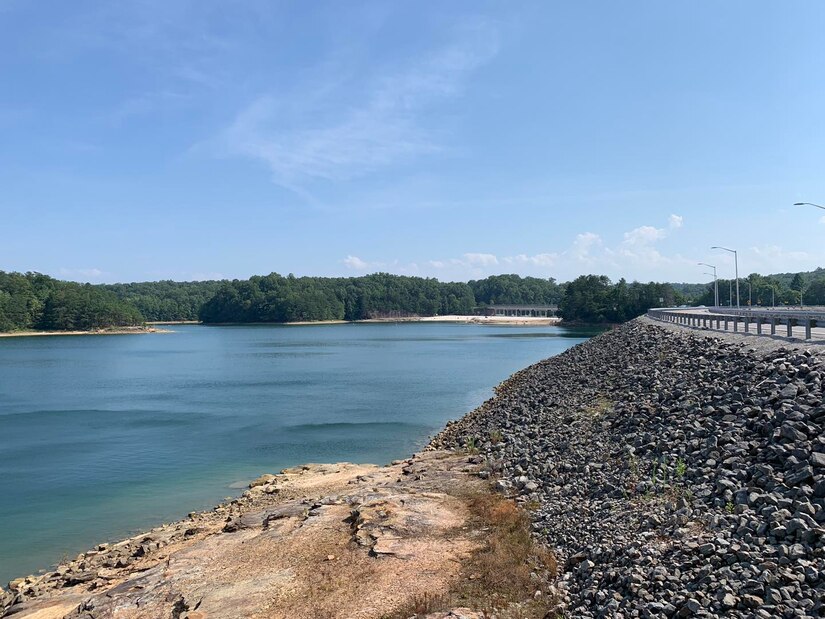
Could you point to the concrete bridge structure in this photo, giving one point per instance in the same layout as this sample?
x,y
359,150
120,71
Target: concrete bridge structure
x,y
520,310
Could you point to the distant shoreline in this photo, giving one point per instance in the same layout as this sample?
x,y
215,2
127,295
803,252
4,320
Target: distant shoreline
x,y
532,321
537,321
117,331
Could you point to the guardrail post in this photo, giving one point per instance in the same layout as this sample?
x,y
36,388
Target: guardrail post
x,y
790,327
808,329
758,325
726,323
736,323
747,324
773,326
718,321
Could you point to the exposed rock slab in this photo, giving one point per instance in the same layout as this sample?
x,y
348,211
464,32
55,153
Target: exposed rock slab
x,y
333,541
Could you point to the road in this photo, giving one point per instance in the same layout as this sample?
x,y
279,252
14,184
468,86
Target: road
x,y
745,320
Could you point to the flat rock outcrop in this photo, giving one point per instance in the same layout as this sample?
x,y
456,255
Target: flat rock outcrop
x,y
675,474
338,540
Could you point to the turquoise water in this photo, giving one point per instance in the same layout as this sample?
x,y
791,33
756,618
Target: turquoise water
x,y
101,437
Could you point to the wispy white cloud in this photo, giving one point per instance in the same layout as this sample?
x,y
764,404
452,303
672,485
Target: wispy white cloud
x,y
583,245
477,260
643,235
355,263
636,255
546,260
776,254
147,103
90,274
325,136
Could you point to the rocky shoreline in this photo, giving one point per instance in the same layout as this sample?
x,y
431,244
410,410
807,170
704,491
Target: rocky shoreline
x,y
673,473
106,331
319,540
676,474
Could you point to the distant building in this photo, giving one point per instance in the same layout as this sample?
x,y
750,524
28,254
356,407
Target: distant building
x,y
519,310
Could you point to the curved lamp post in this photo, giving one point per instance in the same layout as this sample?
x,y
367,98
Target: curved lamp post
x,y
715,283
736,263
806,204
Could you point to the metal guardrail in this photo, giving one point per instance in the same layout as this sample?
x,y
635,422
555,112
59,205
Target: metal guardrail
x,y
723,318
816,314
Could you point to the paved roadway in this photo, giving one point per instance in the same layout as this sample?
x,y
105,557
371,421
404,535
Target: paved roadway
x,y
817,333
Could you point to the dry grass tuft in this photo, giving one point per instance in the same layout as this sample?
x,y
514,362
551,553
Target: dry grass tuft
x,y
503,576
599,407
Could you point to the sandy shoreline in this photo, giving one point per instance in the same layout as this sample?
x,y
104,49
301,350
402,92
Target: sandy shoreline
x,y
97,332
468,319
536,321
496,320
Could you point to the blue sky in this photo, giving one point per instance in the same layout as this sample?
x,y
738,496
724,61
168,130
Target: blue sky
x,y
196,139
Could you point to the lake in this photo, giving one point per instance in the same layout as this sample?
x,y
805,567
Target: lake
x,y
103,436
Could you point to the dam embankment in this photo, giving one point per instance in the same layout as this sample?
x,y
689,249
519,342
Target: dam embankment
x,y
675,473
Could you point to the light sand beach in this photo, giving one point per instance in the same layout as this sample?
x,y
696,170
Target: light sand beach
x,y
496,320
119,331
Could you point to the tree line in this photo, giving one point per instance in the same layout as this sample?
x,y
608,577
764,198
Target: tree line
x,y
764,290
36,301
274,298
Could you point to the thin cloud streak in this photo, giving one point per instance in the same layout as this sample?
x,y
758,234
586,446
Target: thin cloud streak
x,y
349,141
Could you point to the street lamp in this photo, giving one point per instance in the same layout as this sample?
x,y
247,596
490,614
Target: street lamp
x,y
736,264
809,204
715,283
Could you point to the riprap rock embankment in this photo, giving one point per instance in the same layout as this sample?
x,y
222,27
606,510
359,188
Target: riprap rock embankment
x,y
676,474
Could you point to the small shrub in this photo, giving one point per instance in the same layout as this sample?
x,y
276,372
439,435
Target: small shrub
x,y
470,445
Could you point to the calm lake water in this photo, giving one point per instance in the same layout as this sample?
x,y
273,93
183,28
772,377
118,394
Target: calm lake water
x,y
101,437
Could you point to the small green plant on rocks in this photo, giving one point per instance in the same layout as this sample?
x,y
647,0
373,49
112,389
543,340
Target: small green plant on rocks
x,y
599,407
496,437
471,445
681,468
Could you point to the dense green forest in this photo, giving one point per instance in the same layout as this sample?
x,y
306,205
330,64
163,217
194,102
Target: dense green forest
x,y
275,298
167,300
509,289
287,299
595,299
782,289
35,301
